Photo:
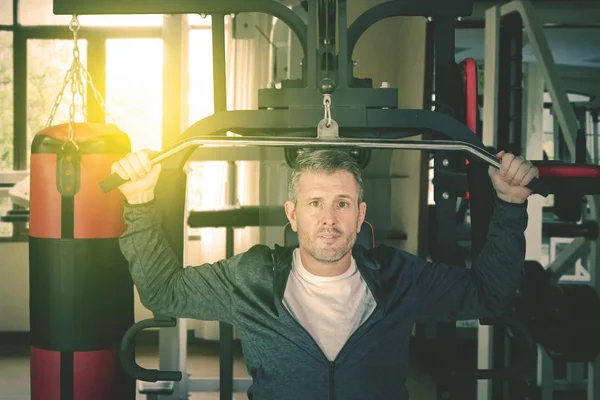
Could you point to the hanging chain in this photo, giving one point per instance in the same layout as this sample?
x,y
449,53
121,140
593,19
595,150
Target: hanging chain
x,y
77,76
79,81
59,98
326,38
76,82
327,105
98,97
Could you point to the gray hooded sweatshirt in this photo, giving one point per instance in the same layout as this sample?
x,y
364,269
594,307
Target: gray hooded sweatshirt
x,y
284,361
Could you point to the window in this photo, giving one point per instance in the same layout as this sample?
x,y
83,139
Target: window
x,y
6,122
133,78
204,175
200,98
207,174
201,105
133,86
6,11
134,89
6,101
47,63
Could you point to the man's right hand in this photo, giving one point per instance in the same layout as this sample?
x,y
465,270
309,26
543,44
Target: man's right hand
x,y
142,176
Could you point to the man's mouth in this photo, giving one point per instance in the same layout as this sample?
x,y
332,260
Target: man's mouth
x,y
329,236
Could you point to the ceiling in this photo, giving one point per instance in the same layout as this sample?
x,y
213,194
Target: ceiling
x,y
569,46
572,29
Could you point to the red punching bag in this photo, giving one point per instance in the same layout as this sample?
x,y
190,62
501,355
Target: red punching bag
x,y
81,293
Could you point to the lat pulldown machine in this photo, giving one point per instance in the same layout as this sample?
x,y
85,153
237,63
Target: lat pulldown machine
x,y
357,116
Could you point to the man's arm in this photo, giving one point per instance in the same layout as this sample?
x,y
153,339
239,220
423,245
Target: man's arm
x,y
452,293
165,287
449,293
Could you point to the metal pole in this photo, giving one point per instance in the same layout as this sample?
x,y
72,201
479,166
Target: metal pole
x,y
232,141
345,58
514,26
503,93
219,67
595,150
220,99
310,62
445,203
537,186
20,99
510,113
485,333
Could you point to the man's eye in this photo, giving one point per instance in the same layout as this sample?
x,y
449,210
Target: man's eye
x,y
343,204
314,203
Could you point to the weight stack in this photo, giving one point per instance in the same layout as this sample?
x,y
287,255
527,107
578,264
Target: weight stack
x,y
81,293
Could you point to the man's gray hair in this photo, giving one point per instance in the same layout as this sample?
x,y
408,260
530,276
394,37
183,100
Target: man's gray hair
x,y
328,161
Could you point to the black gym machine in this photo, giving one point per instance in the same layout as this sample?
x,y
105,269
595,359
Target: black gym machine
x,y
562,321
366,116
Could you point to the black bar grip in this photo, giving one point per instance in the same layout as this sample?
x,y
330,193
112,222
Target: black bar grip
x,y
111,183
127,352
540,187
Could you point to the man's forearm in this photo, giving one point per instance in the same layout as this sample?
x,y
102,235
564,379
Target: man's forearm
x,y
151,261
500,262
165,286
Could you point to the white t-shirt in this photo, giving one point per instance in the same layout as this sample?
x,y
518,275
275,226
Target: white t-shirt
x,y
329,308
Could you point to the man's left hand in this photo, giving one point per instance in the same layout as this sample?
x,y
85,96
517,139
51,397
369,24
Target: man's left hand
x,y
510,180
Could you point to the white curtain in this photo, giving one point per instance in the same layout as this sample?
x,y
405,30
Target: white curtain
x,y
247,71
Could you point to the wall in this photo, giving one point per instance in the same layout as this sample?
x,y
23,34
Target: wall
x,y
393,50
14,287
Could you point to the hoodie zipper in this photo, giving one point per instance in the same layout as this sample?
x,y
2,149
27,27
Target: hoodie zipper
x,y
331,380
331,364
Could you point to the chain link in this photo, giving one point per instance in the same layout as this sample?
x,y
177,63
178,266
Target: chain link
x,y
98,97
77,75
79,78
75,82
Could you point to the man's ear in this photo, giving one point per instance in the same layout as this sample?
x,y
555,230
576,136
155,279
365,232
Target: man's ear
x,y
290,212
362,212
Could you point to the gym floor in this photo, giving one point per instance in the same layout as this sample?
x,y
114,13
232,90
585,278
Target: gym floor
x,y
203,361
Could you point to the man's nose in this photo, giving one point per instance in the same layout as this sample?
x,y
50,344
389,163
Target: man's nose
x,y
329,217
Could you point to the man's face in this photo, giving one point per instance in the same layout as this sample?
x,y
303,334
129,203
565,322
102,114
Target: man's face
x,y
326,215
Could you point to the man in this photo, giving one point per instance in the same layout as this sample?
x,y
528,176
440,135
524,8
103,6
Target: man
x,y
328,320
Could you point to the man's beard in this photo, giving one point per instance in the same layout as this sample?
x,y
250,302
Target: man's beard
x,y
327,254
